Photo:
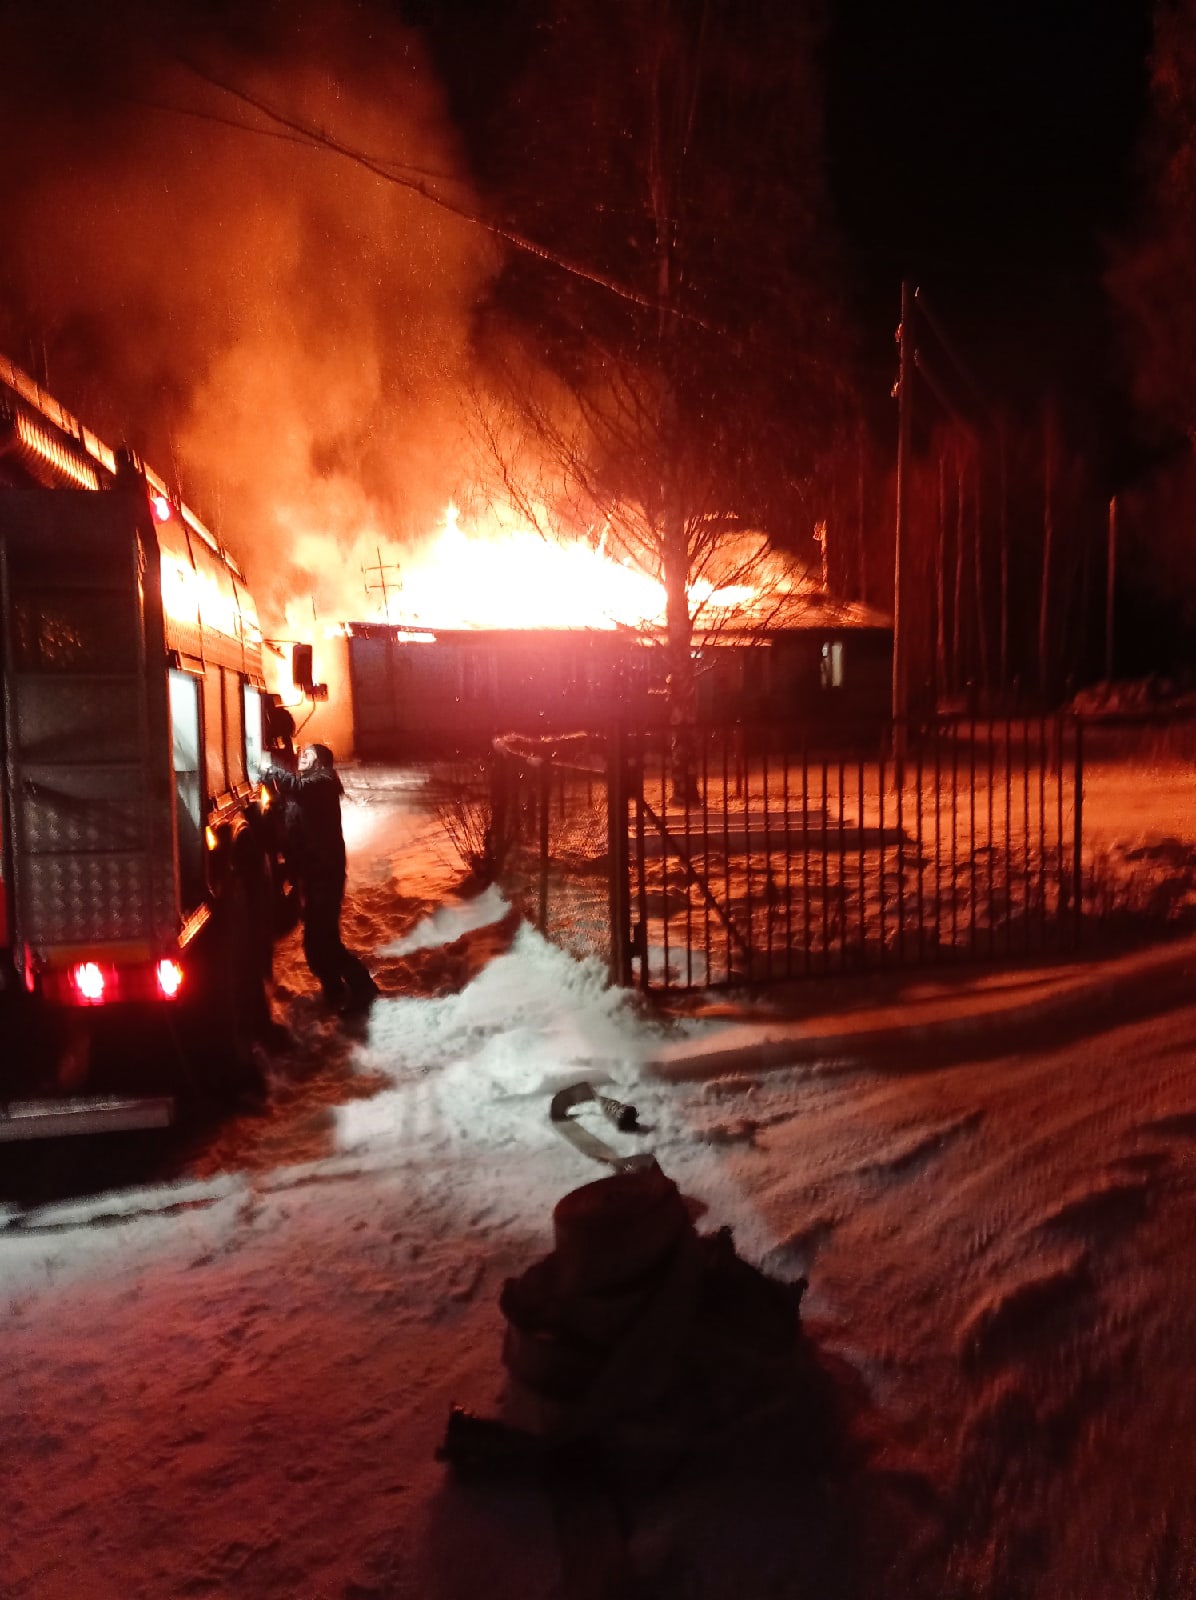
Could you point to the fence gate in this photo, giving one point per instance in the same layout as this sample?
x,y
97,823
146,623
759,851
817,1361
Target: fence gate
x,y
559,864
749,856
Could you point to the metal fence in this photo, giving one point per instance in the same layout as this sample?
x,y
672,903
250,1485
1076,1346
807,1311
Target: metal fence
x,y
746,855
551,814
755,857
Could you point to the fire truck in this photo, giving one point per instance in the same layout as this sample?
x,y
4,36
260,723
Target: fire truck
x,y
139,868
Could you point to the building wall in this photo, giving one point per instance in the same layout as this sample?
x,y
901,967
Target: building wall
x,y
461,690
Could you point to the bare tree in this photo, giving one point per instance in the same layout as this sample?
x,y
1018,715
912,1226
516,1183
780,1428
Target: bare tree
x,y
1151,285
1150,277
685,161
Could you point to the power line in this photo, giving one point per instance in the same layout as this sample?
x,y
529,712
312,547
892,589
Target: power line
x,y
391,173
306,140
949,351
939,392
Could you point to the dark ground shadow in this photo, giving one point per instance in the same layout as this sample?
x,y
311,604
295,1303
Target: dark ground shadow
x,y
783,1504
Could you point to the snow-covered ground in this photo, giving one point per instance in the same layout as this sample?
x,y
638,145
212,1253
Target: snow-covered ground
x,y
233,1383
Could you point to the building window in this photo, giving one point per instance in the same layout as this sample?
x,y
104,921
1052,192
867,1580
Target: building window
x,y
830,673
185,738
252,703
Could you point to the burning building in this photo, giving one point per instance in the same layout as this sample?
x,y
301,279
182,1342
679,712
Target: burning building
x,y
825,665
490,629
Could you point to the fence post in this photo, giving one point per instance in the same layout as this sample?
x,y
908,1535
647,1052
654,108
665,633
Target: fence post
x,y
544,777
617,854
501,811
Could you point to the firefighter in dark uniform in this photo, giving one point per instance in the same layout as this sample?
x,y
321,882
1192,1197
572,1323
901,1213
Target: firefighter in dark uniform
x,y
280,733
317,857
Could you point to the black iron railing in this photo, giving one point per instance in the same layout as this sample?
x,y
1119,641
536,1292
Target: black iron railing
x,y
756,856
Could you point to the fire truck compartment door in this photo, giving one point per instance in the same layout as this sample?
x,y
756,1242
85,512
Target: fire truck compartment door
x,y
87,731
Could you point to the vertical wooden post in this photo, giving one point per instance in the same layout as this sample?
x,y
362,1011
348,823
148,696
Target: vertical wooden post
x,y
980,588
958,676
1048,533
544,775
618,854
863,554
904,424
1110,576
502,816
1004,559
940,590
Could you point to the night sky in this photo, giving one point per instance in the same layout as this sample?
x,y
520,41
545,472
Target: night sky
x,y
983,146
987,151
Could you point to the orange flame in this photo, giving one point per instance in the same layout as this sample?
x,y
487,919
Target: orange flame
x,y
492,572
513,578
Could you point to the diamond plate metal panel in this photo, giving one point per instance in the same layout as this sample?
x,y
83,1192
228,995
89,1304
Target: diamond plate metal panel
x,y
92,809
82,899
88,756
78,720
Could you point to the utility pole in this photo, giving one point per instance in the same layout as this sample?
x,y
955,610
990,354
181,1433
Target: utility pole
x,y
940,590
860,509
1004,558
979,585
1110,574
958,676
382,568
820,541
905,370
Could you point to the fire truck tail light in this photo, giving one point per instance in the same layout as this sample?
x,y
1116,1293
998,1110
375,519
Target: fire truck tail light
x,y
89,983
170,978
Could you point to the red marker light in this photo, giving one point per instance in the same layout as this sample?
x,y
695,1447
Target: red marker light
x,y
170,978
161,507
88,980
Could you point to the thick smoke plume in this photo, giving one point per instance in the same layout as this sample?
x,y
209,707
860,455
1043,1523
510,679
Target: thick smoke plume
x,y
277,329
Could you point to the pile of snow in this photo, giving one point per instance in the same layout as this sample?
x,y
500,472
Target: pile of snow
x,y
449,922
1134,697
533,1020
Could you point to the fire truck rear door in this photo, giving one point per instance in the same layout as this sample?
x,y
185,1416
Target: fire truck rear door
x,y
87,757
